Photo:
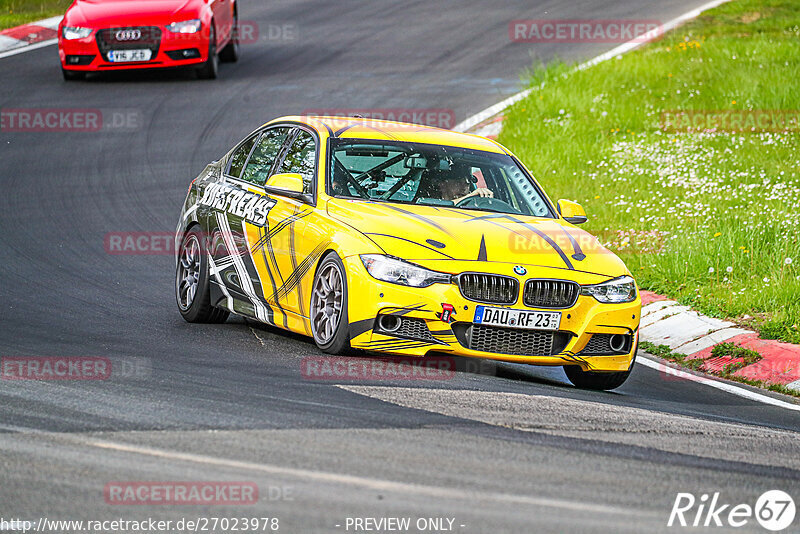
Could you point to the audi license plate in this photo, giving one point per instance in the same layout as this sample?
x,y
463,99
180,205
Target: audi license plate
x,y
126,56
526,319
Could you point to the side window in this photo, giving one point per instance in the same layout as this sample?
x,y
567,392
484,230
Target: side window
x,y
263,156
301,158
240,157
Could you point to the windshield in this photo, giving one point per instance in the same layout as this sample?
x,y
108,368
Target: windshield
x,y
431,175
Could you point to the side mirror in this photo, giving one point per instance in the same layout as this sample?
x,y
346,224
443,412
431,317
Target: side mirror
x,y
572,212
289,182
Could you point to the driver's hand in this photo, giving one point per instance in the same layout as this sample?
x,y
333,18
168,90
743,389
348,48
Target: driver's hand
x,y
482,192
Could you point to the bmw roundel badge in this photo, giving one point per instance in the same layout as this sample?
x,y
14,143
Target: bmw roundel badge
x,y
520,270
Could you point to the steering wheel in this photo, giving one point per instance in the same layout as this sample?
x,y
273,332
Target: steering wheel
x,y
486,203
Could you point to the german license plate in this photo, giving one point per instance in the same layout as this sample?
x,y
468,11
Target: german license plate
x,y
126,56
525,319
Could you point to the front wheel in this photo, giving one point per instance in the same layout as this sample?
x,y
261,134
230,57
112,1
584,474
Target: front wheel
x,y
191,281
598,381
329,322
230,54
72,75
593,380
209,69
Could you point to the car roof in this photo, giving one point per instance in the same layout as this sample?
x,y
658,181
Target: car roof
x,y
383,130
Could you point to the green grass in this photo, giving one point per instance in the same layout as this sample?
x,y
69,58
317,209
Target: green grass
x,y
18,12
710,219
734,351
663,351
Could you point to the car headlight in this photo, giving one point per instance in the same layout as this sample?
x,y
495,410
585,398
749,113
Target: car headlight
x,y
186,26
75,32
401,272
622,289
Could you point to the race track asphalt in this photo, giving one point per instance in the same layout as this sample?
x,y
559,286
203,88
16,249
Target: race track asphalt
x,y
496,448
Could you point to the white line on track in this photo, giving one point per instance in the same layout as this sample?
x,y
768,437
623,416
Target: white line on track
x,y
711,382
438,492
28,48
491,111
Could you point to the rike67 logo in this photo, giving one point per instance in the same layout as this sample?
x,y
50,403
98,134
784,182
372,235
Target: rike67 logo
x,y
774,510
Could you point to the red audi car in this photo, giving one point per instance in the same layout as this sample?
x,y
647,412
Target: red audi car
x,y
107,35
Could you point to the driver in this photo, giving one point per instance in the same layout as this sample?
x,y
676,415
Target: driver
x,y
456,187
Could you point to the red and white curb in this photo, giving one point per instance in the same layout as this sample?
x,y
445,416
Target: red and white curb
x,y
29,36
665,322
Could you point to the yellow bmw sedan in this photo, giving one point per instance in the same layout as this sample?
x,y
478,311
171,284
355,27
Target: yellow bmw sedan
x,y
403,239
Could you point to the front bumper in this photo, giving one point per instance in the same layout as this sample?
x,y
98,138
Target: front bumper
x,y
369,298
167,50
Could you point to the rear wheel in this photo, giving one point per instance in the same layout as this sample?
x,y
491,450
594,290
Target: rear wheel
x,y
71,75
230,54
192,281
329,322
209,69
599,381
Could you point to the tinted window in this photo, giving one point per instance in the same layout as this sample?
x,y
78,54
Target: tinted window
x,y
263,156
301,159
240,157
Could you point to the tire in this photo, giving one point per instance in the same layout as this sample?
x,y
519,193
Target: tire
x,y
598,381
72,75
210,68
192,271
329,325
230,54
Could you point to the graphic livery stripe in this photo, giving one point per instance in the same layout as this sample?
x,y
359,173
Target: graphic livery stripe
x,y
420,218
546,238
293,255
297,275
280,226
215,270
274,299
261,290
403,345
553,244
413,242
241,269
576,248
